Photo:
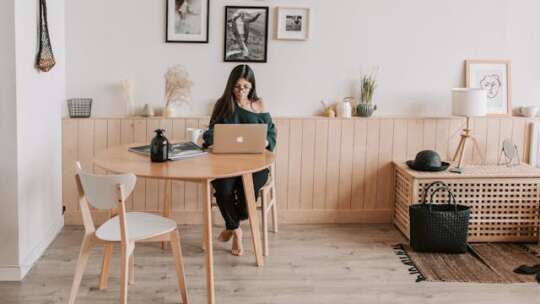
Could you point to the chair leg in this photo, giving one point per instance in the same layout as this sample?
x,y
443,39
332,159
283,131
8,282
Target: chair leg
x,y
264,220
132,269
124,275
104,278
177,252
274,215
82,261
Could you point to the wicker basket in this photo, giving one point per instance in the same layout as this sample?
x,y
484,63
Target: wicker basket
x,y
79,107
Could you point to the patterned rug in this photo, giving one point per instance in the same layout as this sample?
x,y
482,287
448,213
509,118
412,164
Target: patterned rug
x,y
483,263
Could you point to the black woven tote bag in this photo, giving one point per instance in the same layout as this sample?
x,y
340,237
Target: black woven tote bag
x,y
439,228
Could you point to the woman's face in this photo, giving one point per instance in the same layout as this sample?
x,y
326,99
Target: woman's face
x,y
241,89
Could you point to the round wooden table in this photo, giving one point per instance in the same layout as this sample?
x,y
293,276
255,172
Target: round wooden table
x,y
203,170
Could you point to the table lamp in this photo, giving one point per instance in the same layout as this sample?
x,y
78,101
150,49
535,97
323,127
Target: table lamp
x,y
467,102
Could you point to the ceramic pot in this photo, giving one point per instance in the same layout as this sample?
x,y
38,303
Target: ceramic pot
x,y
344,109
366,109
169,111
529,111
148,111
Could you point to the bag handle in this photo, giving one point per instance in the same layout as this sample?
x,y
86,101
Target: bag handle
x,y
426,191
451,197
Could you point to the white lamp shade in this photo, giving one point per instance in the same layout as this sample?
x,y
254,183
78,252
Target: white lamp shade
x,y
469,102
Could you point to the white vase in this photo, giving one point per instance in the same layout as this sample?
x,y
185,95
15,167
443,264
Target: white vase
x,y
344,109
169,111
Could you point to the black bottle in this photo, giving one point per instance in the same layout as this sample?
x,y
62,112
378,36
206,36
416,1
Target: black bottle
x,y
159,147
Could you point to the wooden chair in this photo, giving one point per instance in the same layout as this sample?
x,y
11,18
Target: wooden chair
x,y
267,198
126,228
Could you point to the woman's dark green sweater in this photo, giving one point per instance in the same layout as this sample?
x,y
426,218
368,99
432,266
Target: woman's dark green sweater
x,y
243,116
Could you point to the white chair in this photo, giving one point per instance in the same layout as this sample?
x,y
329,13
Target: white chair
x,y
267,198
110,192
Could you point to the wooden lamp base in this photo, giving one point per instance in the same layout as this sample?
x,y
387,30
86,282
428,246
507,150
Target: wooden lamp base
x,y
465,136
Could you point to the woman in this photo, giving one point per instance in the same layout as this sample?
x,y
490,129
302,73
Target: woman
x,y
238,104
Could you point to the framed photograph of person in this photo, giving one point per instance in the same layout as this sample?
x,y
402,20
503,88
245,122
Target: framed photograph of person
x,y
187,21
495,77
246,34
292,23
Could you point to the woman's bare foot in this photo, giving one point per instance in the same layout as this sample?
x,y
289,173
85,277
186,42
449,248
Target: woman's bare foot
x,y
237,247
225,235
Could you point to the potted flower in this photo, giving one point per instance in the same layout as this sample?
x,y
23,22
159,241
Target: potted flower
x,y
366,107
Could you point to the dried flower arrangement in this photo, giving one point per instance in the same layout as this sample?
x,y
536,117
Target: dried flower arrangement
x,y
127,93
368,85
177,86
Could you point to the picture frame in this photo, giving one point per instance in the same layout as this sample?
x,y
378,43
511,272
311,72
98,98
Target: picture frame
x,y
293,23
495,76
534,148
187,21
246,34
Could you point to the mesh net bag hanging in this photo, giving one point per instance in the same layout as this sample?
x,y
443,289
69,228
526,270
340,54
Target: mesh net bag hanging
x,y
45,57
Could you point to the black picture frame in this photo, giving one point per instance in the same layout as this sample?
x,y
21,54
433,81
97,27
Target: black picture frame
x,y
227,57
207,34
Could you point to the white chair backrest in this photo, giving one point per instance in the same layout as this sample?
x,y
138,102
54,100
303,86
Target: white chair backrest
x,y
101,190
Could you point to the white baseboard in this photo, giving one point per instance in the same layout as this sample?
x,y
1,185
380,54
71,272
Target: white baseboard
x,y
18,272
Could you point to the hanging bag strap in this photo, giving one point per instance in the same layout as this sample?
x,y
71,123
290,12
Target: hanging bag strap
x,y
426,191
451,197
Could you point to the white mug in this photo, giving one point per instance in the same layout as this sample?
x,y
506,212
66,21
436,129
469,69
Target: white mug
x,y
194,134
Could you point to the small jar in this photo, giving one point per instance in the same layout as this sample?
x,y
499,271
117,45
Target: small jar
x,y
159,147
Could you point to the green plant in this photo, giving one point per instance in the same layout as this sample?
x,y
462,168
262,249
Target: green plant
x,y
368,85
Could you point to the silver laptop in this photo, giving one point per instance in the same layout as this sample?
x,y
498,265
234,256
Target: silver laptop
x,y
239,138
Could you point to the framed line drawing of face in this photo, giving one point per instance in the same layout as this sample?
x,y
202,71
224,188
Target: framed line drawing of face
x,y
293,23
494,76
246,34
187,21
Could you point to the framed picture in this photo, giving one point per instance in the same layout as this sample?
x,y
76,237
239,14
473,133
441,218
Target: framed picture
x,y
534,152
246,34
187,21
292,23
495,77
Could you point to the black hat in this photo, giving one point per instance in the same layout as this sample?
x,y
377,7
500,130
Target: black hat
x,y
427,160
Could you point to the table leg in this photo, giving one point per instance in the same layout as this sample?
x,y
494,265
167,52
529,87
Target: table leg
x,y
207,222
247,180
167,206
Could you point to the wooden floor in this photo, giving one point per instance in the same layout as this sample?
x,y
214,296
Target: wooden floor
x,y
308,264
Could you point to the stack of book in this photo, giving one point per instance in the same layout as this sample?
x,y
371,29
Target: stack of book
x,y
177,151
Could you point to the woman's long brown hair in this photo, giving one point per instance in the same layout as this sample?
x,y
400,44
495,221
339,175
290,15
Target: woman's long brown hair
x,y
225,104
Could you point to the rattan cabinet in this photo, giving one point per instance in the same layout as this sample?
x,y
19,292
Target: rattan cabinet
x,y
504,200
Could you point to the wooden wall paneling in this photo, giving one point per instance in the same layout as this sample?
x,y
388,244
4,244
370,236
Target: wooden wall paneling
x,y
178,188
430,134
399,138
385,174
308,158
415,137
492,140
114,132
456,127
85,143
295,164
359,164
152,185
191,189
320,155
100,139
282,161
518,136
372,162
127,132
69,157
139,192
332,169
346,164
480,133
442,134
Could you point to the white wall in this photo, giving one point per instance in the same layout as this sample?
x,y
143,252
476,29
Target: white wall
x,y
9,250
419,45
33,145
